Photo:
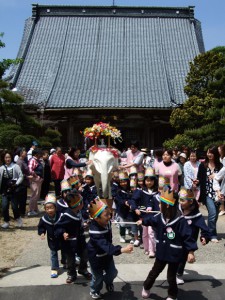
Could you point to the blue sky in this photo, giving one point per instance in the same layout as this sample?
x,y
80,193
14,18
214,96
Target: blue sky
x,y
13,13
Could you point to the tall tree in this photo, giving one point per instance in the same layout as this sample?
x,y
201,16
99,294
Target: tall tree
x,y
201,118
200,93
14,121
17,128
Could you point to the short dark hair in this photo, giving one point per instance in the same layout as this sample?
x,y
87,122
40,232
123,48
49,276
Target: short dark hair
x,y
21,151
195,152
36,151
158,152
4,154
134,143
168,211
169,151
72,150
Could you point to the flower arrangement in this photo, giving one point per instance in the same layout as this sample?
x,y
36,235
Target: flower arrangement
x,y
114,151
102,129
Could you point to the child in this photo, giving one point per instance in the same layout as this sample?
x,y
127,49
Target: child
x,y
190,209
79,173
101,249
65,189
90,185
47,224
123,208
162,182
145,199
74,181
70,227
133,185
173,236
133,172
61,206
114,189
140,180
89,193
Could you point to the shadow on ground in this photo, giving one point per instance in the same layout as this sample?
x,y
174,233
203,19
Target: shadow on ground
x,y
203,289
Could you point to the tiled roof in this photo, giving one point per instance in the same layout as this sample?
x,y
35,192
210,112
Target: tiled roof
x,y
107,60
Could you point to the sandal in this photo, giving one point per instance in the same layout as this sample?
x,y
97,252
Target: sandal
x,y
71,279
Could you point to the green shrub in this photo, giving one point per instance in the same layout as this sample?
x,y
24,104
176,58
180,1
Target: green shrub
x,y
23,140
179,140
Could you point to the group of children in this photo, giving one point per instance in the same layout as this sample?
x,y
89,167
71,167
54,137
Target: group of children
x,y
169,225
136,195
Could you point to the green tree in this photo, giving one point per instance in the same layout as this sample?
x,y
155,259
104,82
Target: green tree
x,y
16,126
212,132
200,120
202,72
179,140
51,138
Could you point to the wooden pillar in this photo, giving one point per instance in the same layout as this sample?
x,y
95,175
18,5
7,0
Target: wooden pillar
x,y
70,132
152,139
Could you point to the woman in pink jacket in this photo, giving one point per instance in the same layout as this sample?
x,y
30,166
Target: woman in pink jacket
x,y
170,169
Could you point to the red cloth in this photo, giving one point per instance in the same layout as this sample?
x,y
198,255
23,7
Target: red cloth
x,y
57,167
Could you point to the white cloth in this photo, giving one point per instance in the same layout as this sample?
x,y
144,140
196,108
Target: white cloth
x,y
219,181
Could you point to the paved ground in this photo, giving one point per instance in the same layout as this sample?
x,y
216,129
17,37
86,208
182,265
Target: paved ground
x,y
30,279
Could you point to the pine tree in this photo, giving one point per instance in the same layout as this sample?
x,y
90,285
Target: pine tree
x,y
16,126
202,71
201,119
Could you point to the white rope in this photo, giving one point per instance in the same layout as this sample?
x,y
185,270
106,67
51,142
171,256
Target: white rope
x,y
149,211
124,222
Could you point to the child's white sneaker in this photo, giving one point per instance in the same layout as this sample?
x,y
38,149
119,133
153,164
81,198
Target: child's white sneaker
x,y
5,225
32,213
136,243
19,222
122,239
222,212
145,293
179,280
168,298
141,246
95,295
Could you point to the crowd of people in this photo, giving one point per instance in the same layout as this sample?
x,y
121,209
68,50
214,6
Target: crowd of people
x,y
155,204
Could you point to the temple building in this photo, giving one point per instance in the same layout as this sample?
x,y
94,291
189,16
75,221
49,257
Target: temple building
x,y
122,65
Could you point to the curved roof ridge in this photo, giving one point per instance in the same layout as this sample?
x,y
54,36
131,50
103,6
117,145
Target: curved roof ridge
x,y
23,49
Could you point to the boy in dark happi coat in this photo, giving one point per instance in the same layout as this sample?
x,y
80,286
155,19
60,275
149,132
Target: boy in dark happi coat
x,y
47,224
190,210
65,189
71,228
173,238
101,249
